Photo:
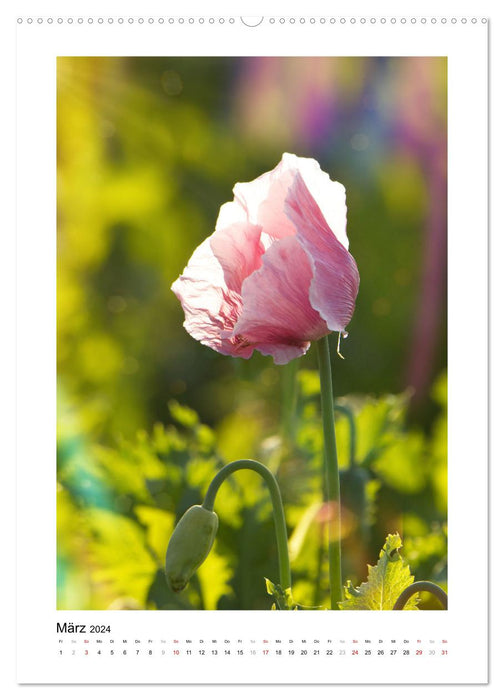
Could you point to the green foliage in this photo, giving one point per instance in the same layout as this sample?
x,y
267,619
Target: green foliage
x,y
427,552
118,506
385,583
126,500
283,598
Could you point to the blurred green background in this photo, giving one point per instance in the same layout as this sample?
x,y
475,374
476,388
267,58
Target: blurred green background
x,y
148,150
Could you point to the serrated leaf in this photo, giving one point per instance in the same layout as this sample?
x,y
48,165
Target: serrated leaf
x,y
118,472
120,562
270,586
159,527
386,581
284,599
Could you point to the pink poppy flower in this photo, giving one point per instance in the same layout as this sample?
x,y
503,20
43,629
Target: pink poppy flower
x,y
276,273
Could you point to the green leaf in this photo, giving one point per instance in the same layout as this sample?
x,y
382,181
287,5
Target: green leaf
x,y
386,581
270,586
402,465
117,471
120,562
159,526
427,549
283,598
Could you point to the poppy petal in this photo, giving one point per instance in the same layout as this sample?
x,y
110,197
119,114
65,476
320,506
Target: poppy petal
x,y
277,317
263,199
209,288
335,282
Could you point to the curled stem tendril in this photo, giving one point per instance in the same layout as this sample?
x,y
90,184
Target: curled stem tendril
x,y
418,586
278,511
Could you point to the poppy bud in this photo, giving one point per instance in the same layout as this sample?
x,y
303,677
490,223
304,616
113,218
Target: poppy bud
x,y
189,545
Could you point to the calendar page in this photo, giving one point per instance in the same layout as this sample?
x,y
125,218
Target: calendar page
x,y
252,362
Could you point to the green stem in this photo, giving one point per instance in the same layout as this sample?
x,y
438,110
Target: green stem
x,y
418,586
331,472
276,499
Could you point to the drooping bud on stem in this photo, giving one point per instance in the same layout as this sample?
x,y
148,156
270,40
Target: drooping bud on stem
x,y
189,545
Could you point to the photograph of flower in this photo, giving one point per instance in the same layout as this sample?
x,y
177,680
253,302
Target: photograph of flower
x,y
251,333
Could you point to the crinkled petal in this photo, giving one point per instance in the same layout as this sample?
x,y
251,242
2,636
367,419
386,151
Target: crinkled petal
x,y
329,196
238,249
229,214
263,199
335,282
209,288
277,317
